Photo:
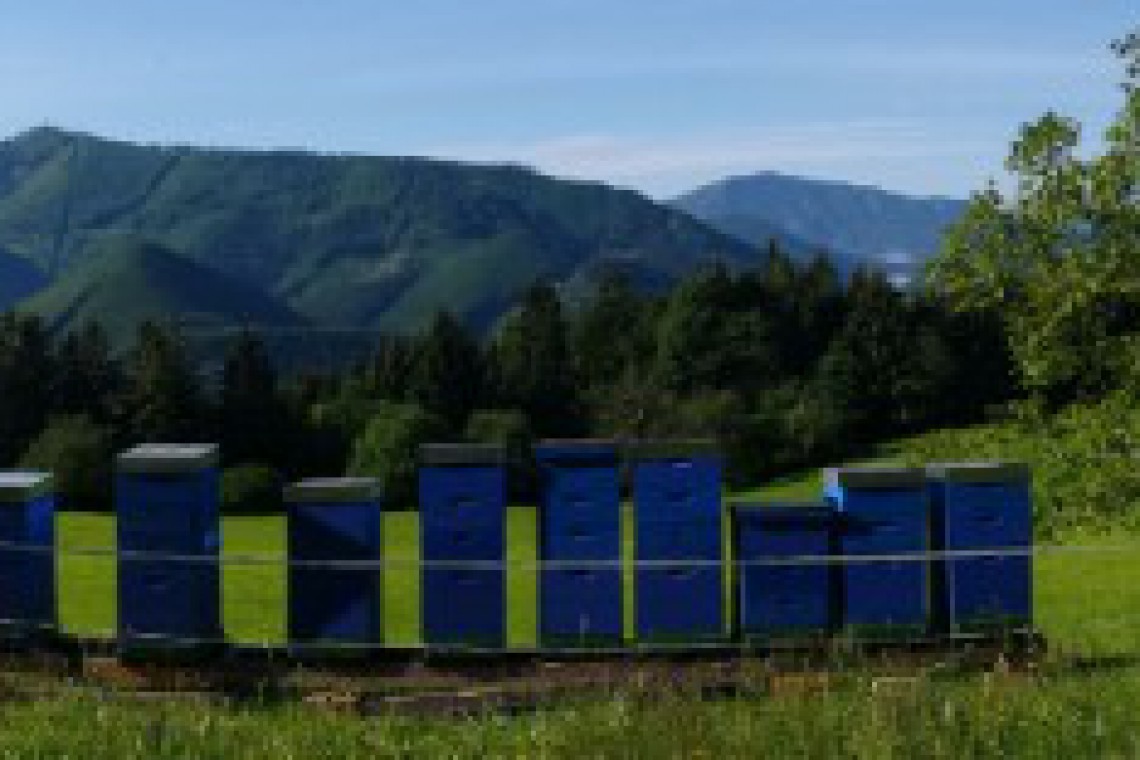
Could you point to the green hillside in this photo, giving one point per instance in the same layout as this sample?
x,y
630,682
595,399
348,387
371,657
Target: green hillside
x,y
128,280
347,241
19,278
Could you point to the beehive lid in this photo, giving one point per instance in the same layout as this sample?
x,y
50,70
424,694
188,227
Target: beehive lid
x,y
162,458
444,454
979,472
785,510
875,477
553,450
19,487
672,449
334,490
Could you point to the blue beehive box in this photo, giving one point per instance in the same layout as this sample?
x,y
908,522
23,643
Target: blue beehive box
x,y
167,509
976,507
334,520
882,512
27,561
679,541
792,596
580,592
463,535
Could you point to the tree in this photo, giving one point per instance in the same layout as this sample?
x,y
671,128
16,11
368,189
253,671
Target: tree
x,y
1058,260
254,419
508,428
79,453
388,449
163,399
885,367
251,489
610,334
86,379
26,372
447,371
534,370
716,334
390,368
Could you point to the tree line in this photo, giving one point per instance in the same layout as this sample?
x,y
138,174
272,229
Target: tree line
x,y
787,365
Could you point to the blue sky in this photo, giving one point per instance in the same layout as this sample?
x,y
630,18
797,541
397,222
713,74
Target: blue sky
x,y
914,95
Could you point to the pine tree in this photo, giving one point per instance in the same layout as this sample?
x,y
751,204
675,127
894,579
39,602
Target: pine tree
x,y
610,334
164,402
534,369
26,369
253,414
447,371
87,380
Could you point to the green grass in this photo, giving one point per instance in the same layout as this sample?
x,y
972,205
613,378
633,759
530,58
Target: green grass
x,y
1089,600
1082,703
1076,716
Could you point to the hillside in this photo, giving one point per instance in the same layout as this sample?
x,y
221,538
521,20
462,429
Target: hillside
x,y
855,223
127,281
347,241
18,279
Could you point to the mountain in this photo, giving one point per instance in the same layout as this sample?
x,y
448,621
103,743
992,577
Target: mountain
x,y
855,223
345,242
126,281
19,278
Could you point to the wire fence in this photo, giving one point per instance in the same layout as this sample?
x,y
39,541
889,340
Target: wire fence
x,y
1086,597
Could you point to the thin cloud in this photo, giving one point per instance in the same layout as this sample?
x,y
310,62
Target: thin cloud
x,y
666,165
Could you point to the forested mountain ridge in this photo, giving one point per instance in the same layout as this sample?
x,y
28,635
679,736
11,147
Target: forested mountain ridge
x,y
345,241
856,224
127,281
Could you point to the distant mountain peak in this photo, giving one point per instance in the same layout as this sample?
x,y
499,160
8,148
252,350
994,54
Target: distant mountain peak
x,y
856,224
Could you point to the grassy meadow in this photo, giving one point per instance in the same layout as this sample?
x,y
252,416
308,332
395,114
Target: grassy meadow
x,y
1081,701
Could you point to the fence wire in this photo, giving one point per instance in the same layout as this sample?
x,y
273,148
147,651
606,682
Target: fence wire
x,y
1086,596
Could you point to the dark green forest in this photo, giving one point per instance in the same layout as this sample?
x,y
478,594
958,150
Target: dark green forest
x,y
786,365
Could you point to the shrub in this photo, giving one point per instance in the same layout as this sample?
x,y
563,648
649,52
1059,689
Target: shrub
x,y
508,428
79,452
388,449
1083,460
251,489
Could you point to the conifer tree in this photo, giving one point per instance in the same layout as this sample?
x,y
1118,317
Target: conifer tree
x,y
164,400
447,371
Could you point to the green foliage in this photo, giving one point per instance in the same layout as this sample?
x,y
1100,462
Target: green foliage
x,y
332,425
80,453
87,380
510,429
388,448
505,427
447,371
885,367
251,489
710,336
164,400
1084,460
1058,259
533,367
25,382
611,333
857,716
254,420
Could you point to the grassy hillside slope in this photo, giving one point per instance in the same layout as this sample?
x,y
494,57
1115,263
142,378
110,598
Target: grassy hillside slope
x,y
348,241
131,280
